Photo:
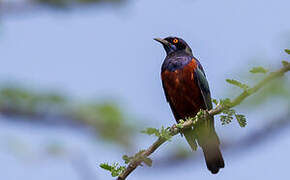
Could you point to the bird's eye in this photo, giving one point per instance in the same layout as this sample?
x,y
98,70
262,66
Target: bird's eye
x,y
175,41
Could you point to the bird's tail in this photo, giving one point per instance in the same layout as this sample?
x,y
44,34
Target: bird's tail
x,y
190,138
209,142
213,157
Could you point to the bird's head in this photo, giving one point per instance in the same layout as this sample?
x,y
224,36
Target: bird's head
x,y
174,44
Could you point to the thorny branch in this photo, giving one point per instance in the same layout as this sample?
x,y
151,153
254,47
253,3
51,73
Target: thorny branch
x,y
189,123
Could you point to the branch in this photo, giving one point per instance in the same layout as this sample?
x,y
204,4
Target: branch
x,y
270,129
191,122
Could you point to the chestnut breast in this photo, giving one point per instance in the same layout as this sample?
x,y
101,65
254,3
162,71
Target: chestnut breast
x,y
182,91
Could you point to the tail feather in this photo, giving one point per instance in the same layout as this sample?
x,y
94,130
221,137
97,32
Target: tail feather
x,y
213,157
190,138
208,140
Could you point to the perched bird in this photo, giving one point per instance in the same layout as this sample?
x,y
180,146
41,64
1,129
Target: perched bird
x,y
187,92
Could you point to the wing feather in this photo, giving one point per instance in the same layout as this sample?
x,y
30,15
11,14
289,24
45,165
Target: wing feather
x,y
203,85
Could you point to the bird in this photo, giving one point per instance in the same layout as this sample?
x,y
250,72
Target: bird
x,y
187,92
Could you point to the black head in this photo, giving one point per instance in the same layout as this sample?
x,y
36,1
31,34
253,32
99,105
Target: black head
x,y
174,44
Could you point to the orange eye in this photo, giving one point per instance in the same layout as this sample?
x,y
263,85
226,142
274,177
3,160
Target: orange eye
x,y
175,41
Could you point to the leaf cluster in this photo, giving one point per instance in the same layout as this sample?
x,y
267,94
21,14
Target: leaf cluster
x,y
228,113
161,133
238,84
115,168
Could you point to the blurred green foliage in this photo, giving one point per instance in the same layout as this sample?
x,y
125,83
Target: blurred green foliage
x,y
65,3
259,70
278,89
106,118
237,83
11,7
16,100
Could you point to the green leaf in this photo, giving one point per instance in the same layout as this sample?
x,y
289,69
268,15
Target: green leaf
x,y
214,101
115,169
151,131
127,159
106,166
287,51
139,157
181,121
147,161
200,113
227,116
139,154
259,70
226,119
164,133
237,83
225,102
180,124
241,120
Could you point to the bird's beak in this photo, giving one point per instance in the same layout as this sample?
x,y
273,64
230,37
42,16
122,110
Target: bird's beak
x,y
162,41
167,45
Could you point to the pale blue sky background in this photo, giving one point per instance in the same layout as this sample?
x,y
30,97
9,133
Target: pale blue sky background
x,y
109,52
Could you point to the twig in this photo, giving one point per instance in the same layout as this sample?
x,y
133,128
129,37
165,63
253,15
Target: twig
x,y
189,123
